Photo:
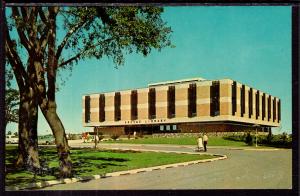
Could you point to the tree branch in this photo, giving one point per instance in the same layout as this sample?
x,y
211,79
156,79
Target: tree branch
x,y
12,56
24,13
44,39
43,16
52,61
82,52
32,22
67,36
16,64
44,36
70,59
23,38
104,16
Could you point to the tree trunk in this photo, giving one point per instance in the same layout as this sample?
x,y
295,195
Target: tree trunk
x,y
61,141
28,142
47,101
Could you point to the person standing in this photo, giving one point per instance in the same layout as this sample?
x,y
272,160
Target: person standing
x,y
205,140
200,143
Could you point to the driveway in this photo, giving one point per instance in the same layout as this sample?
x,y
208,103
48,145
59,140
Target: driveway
x,y
244,169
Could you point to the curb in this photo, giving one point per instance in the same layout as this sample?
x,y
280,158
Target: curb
x,y
44,184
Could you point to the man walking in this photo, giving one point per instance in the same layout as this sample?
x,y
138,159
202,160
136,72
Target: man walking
x,y
205,140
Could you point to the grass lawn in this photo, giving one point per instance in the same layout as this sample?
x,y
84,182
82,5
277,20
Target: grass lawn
x,y
90,162
213,141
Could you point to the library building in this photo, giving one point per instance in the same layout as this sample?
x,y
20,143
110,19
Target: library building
x,y
183,106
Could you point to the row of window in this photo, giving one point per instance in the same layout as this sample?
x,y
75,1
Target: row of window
x,y
192,106
276,107
192,103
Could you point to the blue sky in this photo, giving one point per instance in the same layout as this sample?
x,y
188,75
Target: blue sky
x,y
249,44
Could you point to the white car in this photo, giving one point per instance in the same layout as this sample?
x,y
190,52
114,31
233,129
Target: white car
x,y
12,139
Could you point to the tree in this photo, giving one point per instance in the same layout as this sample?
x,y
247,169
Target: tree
x,y
11,106
89,32
11,100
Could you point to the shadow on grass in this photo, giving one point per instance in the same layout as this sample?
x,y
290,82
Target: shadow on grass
x,y
83,164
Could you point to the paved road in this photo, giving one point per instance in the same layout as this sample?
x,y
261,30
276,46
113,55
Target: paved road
x,y
244,169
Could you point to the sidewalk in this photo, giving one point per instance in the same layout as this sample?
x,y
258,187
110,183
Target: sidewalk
x,y
79,143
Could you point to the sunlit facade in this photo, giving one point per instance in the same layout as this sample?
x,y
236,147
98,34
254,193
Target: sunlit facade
x,y
191,105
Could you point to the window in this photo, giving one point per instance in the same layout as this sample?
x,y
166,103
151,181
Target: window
x,y
279,110
87,108
233,97
263,106
215,98
171,102
151,103
117,106
174,127
242,100
250,102
133,102
274,109
192,93
168,127
161,127
257,104
102,108
269,108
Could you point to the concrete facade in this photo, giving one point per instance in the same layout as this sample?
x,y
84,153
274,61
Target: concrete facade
x,y
220,105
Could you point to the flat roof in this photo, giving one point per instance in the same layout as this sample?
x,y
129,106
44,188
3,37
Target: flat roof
x,y
177,81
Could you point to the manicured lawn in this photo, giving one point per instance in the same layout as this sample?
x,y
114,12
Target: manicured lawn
x,y
213,141
90,162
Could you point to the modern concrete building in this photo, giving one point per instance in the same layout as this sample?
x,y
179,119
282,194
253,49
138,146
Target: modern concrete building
x,y
190,105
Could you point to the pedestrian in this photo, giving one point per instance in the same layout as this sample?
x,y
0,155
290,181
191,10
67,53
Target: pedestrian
x,y
88,137
200,143
205,140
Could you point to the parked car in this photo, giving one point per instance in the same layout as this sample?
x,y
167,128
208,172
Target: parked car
x,y
12,139
46,139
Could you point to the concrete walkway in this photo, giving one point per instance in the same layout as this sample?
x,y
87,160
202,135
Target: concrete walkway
x,y
244,169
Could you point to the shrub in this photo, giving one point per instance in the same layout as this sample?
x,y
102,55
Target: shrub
x,y
114,136
100,137
234,137
283,140
249,139
140,134
269,138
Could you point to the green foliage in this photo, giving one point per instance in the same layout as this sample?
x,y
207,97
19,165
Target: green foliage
x,y
91,32
11,105
249,139
239,138
269,137
114,136
281,140
114,31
